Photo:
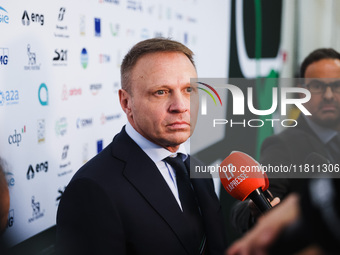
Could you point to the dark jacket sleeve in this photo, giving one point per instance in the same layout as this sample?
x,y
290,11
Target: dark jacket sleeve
x,y
81,213
320,209
241,218
318,223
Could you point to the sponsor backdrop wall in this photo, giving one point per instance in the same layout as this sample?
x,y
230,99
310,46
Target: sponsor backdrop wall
x,y
59,78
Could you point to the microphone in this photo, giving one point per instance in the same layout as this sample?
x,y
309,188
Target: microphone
x,y
243,177
266,191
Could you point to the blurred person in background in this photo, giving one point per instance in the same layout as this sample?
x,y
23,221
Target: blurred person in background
x,y
4,205
306,224
316,133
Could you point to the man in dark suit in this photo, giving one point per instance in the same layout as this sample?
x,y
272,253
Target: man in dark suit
x,y
318,133
129,198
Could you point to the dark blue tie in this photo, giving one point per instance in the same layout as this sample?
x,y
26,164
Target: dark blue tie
x,y
189,204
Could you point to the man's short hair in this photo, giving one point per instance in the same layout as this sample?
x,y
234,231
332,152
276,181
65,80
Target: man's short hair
x,y
145,47
316,55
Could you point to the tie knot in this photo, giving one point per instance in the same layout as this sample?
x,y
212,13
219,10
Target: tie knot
x,y
177,164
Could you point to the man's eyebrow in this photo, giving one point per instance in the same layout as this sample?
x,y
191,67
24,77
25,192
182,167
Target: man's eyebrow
x,y
160,86
169,86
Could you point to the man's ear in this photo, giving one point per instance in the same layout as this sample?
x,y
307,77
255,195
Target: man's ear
x,y
125,101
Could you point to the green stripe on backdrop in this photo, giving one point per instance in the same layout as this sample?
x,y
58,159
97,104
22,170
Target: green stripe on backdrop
x,y
264,87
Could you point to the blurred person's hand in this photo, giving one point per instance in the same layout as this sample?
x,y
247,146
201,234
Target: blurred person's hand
x,y
268,227
255,212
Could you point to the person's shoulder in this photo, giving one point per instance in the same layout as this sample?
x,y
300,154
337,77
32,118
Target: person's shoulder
x,y
292,145
101,167
291,135
298,132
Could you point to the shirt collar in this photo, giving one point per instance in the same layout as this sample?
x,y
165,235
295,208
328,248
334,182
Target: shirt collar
x,y
324,134
155,152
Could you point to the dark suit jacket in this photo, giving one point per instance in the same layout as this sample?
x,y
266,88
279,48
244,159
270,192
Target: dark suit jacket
x,y
291,146
119,203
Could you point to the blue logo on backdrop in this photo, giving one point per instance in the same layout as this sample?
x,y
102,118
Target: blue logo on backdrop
x,y
97,26
9,97
145,33
109,1
99,146
16,137
10,179
186,38
84,58
134,5
3,17
43,97
4,52
84,122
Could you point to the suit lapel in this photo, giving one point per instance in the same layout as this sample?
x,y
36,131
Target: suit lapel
x,y
210,208
143,174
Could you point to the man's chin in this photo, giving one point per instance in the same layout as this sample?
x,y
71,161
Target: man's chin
x,y
332,121
177,140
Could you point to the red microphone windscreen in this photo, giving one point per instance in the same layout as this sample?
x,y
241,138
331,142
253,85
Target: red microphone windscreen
x,y
240,175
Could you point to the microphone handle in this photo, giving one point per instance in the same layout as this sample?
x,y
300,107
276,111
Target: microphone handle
x,y
260,200
268,195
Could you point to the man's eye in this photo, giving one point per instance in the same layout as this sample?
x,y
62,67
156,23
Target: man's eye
x,y
316,86
160,92
336,84
190,89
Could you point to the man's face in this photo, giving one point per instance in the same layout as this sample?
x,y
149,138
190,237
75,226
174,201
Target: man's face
x,y
324,107
158,106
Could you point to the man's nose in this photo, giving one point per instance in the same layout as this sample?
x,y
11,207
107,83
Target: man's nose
x,y
179,102
328,94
